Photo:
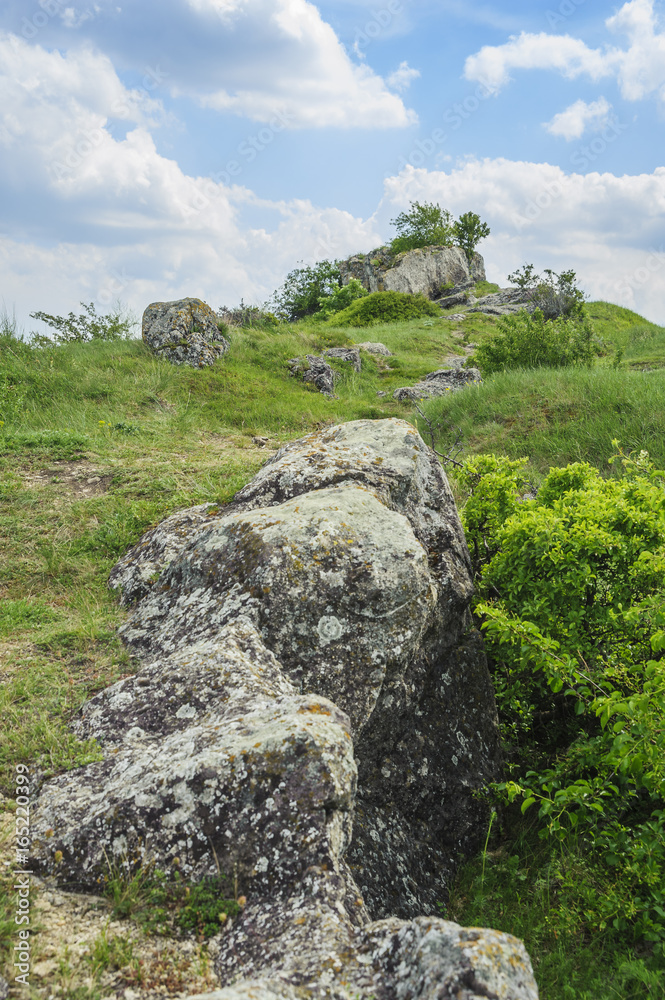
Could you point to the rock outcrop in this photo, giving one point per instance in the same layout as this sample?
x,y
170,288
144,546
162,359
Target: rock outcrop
x,y
313,712
438,383
428,270
375,347
319,373
184,332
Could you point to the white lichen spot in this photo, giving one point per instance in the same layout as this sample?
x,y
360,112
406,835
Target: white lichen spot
x,y
330,629
186,712
262,865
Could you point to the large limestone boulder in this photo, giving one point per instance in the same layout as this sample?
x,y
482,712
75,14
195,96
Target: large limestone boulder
x,y
312,713
427,270
184,332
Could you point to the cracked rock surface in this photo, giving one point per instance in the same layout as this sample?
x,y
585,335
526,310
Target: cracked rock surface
x,y
438,383
314,712
184,332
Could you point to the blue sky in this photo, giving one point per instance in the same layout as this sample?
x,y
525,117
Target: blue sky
x,y
204,147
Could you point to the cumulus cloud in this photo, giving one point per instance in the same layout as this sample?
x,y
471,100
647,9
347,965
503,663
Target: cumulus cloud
x,y
246,57
308,74
97,217
639,67
574,121
609,229
401,78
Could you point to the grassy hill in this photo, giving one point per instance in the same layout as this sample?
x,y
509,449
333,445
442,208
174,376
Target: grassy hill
x,y
101,440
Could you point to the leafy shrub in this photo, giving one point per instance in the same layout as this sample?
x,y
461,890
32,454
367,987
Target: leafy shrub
x,y
340,299
554,294
247,317
303,288
116,325
532,341
385,307
423,225
573,608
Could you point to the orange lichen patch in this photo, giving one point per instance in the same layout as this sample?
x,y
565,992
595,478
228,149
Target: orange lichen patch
x,y
317,709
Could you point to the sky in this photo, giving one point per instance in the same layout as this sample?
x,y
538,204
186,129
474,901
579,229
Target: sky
x,y
155,150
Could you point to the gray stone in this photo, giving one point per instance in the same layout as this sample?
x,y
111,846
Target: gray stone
x,y
439,383
505,302
375,348
426,270
315,371
184,332
350,354
426,958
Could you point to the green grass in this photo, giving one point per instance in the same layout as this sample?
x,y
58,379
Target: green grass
x,y
642,342
558,416
525,889
484,288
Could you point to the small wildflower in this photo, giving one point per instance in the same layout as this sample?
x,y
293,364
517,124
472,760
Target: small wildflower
x,y
57,857
242,900
223,917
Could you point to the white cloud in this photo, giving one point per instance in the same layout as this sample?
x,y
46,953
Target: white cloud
x,y
574,121
638,68
401,78
609,229
292,61
114,218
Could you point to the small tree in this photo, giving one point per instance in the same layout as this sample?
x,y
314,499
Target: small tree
x,y
116,325
554,294
423,225
303,288
468,231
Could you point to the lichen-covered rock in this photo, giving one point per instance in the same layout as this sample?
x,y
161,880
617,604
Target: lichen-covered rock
x,y
323,611
426,958
425,270
375,347
438,383
347,553
350,354
210,756
133,576
316,371
184,332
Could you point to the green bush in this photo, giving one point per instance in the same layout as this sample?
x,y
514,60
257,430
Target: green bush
x,y
340,299
530,341
468,231
303,288
116,325
554,294
572,601
385,307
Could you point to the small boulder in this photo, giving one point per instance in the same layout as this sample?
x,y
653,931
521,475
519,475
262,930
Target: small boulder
x,y
375,348
184,332
316,371
350,354
438,383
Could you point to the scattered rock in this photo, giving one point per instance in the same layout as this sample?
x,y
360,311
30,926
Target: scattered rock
x,y
184,332
457,298
438,383
350,354
502,303
425,270
316,371
375,348
382,393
